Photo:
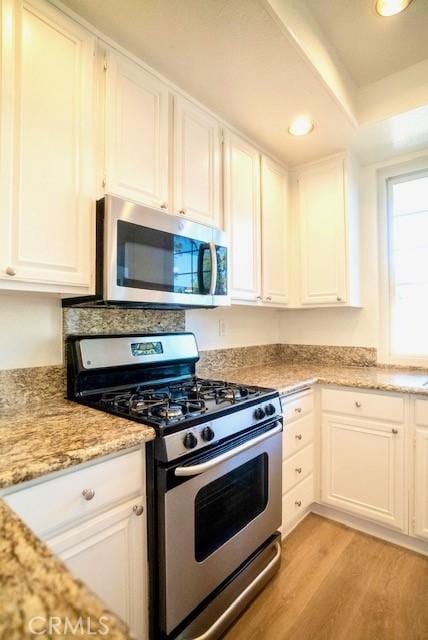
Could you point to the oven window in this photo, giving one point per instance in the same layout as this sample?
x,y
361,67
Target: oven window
x,y
228,504
160,261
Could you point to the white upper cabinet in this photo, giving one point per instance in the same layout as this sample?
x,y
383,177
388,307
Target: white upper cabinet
x,y
274,198
136,133
197,164
242,217
328,233
47,168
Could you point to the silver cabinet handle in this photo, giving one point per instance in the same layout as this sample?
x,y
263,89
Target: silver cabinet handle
x,y
298,436
394,431
268,298
193,470
183,212
215,630
88,494
10,271
298,409
164,205
298,470
298,503
138,509
258,298
358,404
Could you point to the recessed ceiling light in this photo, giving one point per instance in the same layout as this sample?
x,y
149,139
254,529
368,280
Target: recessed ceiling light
x,y
301,126
388,8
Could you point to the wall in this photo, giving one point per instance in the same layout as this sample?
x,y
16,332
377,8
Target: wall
x,y
30,330
241,326
349,327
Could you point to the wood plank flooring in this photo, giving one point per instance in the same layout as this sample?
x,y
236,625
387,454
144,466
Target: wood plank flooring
x,y
339,584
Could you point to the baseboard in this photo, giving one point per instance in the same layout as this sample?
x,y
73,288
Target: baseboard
x,y
395,537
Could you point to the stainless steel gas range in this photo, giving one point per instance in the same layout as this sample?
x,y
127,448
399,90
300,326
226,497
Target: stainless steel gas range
x,y
213,475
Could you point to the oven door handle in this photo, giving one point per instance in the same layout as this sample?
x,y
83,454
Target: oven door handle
x,y
193,470
213,284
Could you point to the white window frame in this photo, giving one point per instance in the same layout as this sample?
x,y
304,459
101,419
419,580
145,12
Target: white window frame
x,y
397,173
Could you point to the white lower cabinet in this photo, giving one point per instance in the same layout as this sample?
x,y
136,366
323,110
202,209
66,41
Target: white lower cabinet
x,y
101,537
363,468
298,467
421,482
107,553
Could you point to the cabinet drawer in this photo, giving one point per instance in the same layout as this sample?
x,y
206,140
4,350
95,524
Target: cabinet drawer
x,y
297,467
297,406
58,501
421,412
367,405
297,435
296,501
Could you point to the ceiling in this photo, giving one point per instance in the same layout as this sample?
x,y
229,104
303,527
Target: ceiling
x,y
233,57
371,47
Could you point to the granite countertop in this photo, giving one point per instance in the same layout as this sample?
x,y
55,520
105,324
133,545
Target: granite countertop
x,y
35,586
45,437
36,440
289,377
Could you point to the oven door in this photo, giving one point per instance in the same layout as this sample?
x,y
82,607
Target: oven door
x,y
155,258
216,517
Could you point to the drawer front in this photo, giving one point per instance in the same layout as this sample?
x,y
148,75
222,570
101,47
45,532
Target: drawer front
x,y
367,405
59,501
297,435
421,412
296,501
297,406
297,467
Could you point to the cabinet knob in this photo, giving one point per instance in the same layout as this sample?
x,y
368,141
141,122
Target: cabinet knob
x,y
10,271
298,503
298,436
339,299
394,431
258,298
268,298
164,205
358,404
183,212
298,409
138,509
298,469
88,494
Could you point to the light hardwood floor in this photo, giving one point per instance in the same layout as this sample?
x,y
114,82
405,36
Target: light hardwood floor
x,y
336,583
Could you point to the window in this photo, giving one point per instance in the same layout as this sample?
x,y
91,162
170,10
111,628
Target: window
x,y
408,265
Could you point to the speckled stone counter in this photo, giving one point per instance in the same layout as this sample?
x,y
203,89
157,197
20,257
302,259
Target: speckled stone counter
x,y
46,437
36,589
289,377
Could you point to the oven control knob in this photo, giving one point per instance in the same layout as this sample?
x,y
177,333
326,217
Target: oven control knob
x,y
190,441
270,409
259,414
208,434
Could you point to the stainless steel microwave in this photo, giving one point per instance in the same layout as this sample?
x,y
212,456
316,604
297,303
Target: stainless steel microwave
x,y
147,258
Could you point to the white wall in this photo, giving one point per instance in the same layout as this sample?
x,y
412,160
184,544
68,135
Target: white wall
x,y
349,327
30,330
241,326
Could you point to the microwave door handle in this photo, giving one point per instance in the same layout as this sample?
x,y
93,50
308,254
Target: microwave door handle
x,y
213,285
193,470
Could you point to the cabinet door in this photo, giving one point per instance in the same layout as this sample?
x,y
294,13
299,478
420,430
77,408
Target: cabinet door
x,y
108,554
47,182
323,234
242,217
421,483
362,468
274,195
197,164
136,133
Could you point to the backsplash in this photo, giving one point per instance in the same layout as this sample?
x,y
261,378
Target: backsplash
x,y
329,355
107,320
19,387
219,359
